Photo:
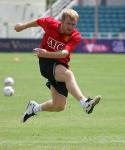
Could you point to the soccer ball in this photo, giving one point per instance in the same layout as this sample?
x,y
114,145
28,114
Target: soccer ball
x,y
8,91
9,81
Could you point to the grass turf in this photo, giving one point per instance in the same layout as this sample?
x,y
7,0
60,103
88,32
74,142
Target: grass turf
x,y
71,129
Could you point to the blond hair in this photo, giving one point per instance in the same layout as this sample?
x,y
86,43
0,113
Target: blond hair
x,y
71,13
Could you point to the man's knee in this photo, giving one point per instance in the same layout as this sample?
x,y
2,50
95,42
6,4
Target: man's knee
x,y
68,76
60,108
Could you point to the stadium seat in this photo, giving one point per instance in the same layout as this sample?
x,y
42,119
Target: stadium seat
x,y
111,19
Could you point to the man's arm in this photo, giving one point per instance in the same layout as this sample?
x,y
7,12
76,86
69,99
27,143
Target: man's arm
x,y
22,26
46,54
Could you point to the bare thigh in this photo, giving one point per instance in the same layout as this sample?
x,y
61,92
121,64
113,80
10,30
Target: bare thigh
x,y
62,73
65,75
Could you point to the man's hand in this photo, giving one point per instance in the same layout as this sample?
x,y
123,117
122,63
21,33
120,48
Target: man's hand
x,y
18,27
39,52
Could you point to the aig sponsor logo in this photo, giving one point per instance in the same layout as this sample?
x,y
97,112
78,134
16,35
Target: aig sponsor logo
x,y
54,44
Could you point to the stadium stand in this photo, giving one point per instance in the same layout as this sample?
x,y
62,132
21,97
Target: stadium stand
x,y
111,19
18,11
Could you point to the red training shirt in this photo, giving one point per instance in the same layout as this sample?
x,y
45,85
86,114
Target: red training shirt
x,y
54,41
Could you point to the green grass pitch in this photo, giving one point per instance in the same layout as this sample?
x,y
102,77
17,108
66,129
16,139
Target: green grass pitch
x,y
71,129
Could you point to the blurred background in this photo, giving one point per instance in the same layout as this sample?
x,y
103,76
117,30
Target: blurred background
x,y
102,23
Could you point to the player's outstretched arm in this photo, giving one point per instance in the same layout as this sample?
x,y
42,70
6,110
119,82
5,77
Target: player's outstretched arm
x,y
46,54
22,26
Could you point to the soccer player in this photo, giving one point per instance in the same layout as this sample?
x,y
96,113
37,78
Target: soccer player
x,y
60,39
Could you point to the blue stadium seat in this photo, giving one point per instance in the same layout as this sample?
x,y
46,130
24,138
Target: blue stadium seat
x,y
111,18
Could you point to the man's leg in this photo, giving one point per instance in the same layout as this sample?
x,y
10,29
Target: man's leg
x,y
65,75
57,104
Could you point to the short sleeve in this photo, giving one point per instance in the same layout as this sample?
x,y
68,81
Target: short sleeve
x,y
45,23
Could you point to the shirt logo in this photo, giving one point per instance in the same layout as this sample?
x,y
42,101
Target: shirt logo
x,y
54,44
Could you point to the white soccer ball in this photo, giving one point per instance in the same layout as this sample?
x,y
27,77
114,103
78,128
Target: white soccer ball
x,y
8,91
8,81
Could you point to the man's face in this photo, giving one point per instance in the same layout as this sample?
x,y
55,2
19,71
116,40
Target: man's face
x,y
68,25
